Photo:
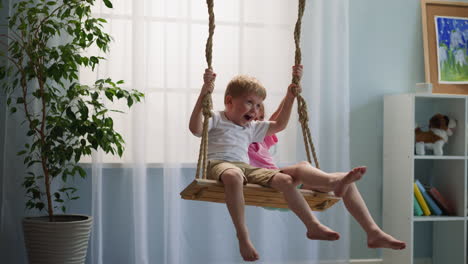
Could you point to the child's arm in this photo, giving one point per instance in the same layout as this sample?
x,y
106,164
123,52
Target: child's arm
x,y
196,119
274,116
282,118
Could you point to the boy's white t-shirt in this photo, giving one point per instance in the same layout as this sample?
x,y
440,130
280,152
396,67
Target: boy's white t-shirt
x,y
230,142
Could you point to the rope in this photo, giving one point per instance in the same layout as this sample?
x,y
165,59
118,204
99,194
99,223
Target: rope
x,y
211,28
301,103
207,102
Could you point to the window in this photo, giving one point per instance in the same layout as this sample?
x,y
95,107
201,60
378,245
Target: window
x,y
159,48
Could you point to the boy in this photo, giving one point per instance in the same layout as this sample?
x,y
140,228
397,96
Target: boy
x,y
230,133
315,179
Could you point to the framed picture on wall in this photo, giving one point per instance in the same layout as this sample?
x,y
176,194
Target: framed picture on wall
x,y
445,37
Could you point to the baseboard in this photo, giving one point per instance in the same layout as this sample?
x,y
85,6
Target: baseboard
x,y
423,261
380,261
366,261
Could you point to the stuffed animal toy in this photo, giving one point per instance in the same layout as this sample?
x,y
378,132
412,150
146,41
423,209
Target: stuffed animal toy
x,y
440,128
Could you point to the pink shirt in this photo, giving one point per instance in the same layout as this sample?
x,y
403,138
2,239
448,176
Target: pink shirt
x,y
259,154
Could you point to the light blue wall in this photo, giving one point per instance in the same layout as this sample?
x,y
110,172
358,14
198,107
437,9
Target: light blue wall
x,y
12,197
386,56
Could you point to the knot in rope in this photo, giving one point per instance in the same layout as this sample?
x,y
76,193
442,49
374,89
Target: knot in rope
x,y
302,109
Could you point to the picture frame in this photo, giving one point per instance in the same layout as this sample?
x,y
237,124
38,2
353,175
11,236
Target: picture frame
x,y
445,36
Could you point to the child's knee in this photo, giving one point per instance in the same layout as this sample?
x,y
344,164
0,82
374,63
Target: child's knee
x,y
232,177
282,181
299,168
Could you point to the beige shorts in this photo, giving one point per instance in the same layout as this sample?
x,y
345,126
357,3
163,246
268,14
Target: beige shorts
x,y
251,174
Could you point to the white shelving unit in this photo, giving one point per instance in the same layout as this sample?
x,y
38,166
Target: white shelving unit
x,y
441,239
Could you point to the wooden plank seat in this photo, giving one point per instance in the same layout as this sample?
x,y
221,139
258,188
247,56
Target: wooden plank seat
x,y
254,194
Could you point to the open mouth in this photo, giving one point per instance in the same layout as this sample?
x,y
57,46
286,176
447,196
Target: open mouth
x,y
248,117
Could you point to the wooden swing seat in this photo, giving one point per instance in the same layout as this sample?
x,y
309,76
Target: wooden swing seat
x,y
254,194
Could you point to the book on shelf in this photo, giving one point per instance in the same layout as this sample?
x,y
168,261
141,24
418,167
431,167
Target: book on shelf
x,y
417,211
441,201
422,203
432,204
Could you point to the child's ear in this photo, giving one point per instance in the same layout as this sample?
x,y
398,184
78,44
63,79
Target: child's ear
x,y
228,100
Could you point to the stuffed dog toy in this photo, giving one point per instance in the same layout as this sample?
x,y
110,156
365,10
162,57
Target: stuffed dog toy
x,y
440,128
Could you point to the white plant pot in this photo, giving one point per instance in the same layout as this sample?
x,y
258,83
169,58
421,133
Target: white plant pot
x,y
64,241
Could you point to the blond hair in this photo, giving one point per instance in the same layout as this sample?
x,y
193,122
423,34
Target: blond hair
x,y
242,85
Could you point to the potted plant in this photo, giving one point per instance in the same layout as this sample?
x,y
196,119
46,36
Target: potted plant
x,y
65,120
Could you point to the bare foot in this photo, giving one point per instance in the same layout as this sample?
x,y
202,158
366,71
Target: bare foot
x,y
380,239
352,176
321,232
247,250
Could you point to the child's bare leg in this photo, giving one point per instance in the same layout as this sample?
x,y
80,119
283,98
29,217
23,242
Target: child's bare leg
x,y
297,203
234,195
316,178
376,237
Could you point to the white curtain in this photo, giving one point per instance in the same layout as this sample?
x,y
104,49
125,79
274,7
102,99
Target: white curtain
x,y
159,50
326,88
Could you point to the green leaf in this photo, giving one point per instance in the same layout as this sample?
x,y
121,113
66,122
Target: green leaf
x,y
109,95
94,59
77,155
81,171
108,3
70,114
79,11
109,122
119,94
35,192
129,101
30,205
40,206
28,184
34,123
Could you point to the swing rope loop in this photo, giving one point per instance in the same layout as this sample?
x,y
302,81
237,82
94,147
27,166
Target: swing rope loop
x,y
301,103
